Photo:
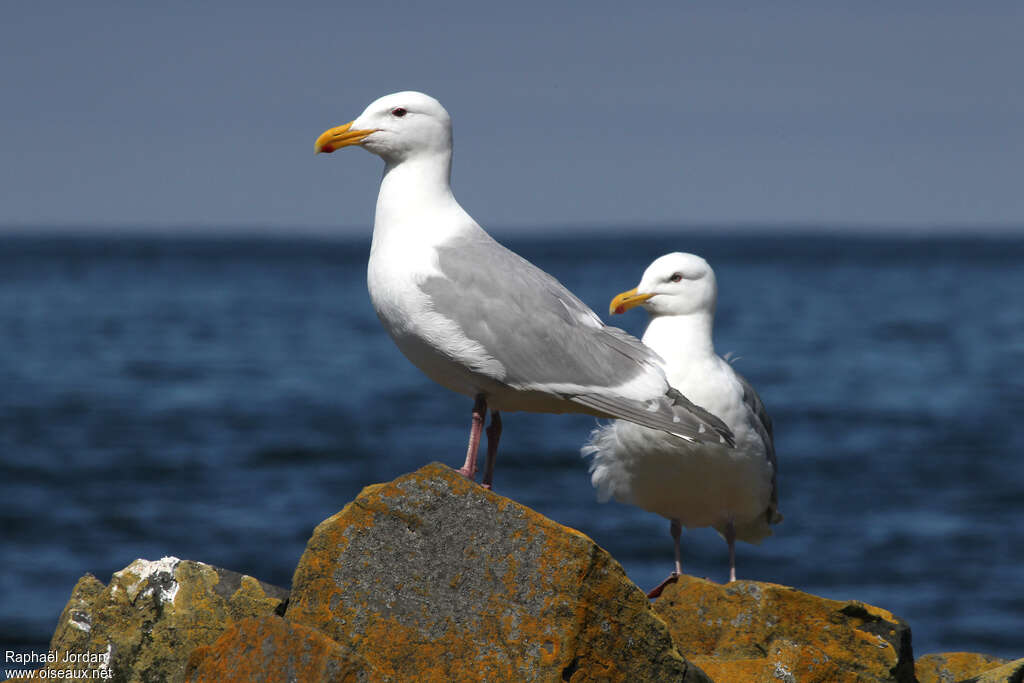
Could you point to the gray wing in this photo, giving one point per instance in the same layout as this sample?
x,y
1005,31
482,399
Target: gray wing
x,y
764,428
544,336
673,413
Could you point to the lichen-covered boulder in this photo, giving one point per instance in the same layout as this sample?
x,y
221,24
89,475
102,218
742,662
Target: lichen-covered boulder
x,y
749,631
952,667
271,649
431,577
152,614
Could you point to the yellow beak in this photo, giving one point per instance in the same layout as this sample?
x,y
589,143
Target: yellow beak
x,y
627,300
336,138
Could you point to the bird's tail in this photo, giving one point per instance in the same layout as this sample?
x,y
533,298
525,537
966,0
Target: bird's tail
x,y
608,474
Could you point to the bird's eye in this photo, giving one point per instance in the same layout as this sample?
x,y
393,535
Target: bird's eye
x,y
676,277
399,112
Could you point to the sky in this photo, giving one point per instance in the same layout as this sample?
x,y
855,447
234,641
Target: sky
x,y
599,115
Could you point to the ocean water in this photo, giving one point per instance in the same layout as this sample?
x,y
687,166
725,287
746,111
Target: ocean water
x,y
215,398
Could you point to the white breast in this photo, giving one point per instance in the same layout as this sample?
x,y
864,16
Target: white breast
x,y
432,342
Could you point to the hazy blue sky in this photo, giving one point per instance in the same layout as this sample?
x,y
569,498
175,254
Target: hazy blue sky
x,y
591,114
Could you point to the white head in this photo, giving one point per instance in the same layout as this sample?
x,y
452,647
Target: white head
x,y
395,127
674,284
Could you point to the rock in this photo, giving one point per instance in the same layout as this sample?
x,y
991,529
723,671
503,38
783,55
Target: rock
x,y
951,667
153,614
431,577
270,649
749,631
1011,672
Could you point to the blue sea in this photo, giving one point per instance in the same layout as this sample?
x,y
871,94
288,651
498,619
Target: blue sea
x,y
214,398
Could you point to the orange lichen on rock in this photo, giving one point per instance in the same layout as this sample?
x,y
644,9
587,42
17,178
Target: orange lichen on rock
x,y
152,614
750,631
950,667
272,649
431,577
1010,672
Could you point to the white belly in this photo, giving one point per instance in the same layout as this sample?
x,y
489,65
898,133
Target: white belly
x,y
698,484
463,368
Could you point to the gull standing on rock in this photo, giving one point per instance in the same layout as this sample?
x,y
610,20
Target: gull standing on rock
x,y
479,319
691,484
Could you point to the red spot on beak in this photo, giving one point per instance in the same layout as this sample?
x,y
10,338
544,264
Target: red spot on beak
x,y
619,310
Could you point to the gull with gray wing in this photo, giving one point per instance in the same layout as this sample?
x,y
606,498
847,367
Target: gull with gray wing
x,y
692,484
479,319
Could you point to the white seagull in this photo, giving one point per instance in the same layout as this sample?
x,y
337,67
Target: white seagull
x,y
691,484
479,319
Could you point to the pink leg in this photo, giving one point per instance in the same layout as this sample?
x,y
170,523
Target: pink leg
x,y
479,413
730,538
493,435
676,529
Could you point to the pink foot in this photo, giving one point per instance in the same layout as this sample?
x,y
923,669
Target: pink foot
x,y
464,471
656,591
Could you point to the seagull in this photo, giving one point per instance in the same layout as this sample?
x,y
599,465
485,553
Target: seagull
x,y
481,320
692,484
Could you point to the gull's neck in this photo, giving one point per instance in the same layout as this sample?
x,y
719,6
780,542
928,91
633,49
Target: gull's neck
x,y
681,336
416,201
